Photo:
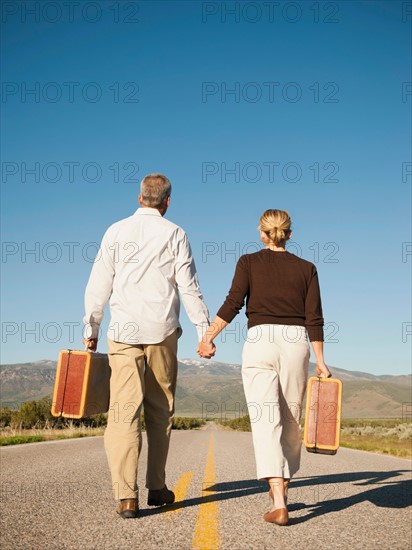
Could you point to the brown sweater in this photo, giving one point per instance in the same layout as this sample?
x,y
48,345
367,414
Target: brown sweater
x,y
279,288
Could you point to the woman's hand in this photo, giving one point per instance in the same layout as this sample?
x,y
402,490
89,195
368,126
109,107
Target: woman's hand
x,y
322,370
206,349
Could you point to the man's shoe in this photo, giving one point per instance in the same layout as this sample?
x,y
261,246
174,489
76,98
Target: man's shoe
x,y
128,508
160,497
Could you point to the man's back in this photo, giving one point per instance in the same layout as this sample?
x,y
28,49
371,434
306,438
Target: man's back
x,y
143,262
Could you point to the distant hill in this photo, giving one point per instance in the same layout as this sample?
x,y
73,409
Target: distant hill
x,y
26,381
215,389
209,386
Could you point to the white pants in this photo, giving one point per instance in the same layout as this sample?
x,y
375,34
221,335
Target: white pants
x,y
275,365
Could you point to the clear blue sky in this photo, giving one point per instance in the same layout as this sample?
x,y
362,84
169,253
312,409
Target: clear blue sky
x,y
318,123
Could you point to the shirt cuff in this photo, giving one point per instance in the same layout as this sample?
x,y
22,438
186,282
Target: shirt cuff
x,y
91,330
201,330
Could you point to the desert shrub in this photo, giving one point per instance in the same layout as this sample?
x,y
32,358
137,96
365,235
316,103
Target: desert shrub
x,y
33,414
95,421
187,423
374,422
242,423
19,439
37,414
401,431
5,417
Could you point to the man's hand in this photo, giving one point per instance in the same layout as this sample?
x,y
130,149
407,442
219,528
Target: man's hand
x,y
206,349
322,370
90,343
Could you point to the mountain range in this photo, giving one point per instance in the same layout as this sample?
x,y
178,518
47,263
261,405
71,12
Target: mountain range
x,y
215,390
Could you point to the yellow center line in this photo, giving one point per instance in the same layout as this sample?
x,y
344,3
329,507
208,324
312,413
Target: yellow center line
x,y
180,491
206,535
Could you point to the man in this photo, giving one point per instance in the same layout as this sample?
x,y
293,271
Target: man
x,y
143,263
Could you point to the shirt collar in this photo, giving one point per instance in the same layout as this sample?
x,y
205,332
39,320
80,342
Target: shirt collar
x,y
147,212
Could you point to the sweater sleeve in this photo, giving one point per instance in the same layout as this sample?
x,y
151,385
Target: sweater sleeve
x,y
237,293
313,309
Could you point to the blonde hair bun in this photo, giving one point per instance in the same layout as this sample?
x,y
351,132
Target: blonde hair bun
x,y
276,224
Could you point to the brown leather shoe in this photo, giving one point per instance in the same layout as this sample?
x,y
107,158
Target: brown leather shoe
x,y
160,497
128,508
279,516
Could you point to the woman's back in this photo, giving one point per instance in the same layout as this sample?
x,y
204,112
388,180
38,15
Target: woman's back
x,y
279,287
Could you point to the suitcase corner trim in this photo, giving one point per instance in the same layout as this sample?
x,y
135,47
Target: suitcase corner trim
x,y
56,384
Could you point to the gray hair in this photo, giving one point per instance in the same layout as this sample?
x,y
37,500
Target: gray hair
x,y
155,189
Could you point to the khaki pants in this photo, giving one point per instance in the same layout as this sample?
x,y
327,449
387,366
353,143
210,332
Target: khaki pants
x,y
274,370
142,375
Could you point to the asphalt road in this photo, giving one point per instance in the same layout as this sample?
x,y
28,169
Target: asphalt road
x,y
57,495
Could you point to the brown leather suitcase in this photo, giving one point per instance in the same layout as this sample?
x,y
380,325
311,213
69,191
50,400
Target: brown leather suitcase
x,y
82,384
323,415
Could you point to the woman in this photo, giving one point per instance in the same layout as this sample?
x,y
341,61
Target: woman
x,y
283,307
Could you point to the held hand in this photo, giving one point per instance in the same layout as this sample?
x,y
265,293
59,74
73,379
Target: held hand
x,y
90,343
322,370
206,349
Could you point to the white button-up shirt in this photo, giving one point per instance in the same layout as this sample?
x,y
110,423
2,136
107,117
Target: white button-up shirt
x,y
143,263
